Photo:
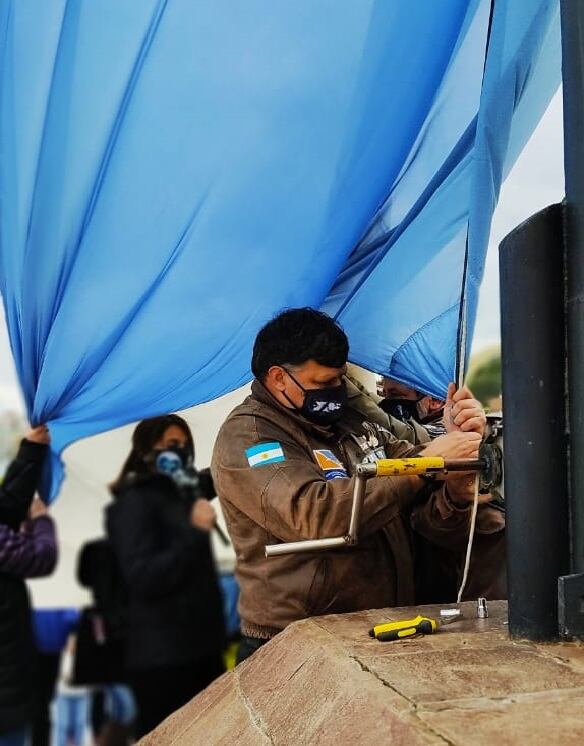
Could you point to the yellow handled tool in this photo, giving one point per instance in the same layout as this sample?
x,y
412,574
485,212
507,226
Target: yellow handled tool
x,y
399,467
389,467
420,625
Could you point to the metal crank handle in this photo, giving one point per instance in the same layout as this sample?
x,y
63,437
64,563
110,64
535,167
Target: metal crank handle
x,y
392,467
309,545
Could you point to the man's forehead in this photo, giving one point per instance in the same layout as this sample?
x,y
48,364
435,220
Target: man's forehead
x,y
397,389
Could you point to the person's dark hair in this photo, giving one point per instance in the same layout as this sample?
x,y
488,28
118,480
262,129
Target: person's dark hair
x,y
147,433
296,336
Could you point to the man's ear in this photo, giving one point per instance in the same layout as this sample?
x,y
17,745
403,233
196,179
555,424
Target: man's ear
x,y
276,376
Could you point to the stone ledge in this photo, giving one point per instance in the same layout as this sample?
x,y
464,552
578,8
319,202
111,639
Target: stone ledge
x,y
323,681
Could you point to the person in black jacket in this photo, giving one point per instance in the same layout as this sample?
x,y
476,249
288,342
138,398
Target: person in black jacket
x,y
28,549
160,536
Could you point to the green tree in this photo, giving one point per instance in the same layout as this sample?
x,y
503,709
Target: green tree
x,y
484,379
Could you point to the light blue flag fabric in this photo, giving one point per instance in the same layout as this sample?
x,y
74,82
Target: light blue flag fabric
x,y
399,294
172,174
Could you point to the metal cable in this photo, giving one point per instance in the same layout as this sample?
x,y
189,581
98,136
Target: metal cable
x,y
473,523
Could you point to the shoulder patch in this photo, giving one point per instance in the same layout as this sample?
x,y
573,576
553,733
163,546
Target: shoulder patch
x,y
265,453
330,464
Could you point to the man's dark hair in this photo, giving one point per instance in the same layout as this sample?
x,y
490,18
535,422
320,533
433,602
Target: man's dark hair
x,y
296,336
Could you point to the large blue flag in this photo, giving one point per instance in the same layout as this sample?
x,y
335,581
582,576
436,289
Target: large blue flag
x,y
174,173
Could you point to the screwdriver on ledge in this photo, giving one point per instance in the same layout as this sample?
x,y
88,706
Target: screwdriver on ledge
x,y
420,625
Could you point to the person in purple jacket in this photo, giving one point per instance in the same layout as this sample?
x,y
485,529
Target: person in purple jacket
x,y
28,549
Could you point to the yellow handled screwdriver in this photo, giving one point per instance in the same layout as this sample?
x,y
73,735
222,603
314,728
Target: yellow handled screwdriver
x,y
420,625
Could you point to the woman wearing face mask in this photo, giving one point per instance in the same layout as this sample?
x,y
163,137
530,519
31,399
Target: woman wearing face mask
x,y
175,629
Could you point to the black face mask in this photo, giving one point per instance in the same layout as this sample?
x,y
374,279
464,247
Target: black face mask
x,y
321,406
402,409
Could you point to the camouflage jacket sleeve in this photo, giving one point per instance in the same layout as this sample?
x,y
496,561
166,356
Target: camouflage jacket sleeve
x,y
367,405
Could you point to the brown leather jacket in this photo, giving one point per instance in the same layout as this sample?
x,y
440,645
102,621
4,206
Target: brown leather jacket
x,y
307,494
440,566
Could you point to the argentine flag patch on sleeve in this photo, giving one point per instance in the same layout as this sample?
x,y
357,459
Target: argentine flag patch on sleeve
x,y
265,453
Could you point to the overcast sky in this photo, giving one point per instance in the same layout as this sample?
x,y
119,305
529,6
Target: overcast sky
x,y
536,181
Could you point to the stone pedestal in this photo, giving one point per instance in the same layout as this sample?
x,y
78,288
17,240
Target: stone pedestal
x,y
325,681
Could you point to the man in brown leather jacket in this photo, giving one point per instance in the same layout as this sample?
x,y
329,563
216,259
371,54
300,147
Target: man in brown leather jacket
x,y
439,570
283,467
